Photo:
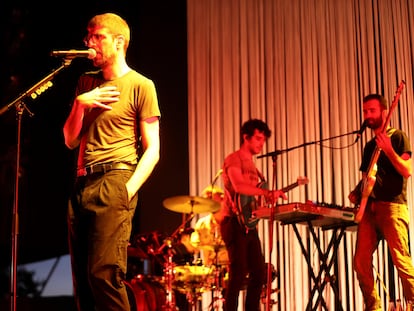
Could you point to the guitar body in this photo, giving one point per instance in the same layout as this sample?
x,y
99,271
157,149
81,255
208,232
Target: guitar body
x,y
246,204
367,186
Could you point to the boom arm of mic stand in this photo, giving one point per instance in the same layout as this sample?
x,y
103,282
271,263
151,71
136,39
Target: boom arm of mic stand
x,y
278,152
36,89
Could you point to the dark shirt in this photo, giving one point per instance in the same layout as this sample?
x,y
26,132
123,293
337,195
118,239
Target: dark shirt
x,y
389,186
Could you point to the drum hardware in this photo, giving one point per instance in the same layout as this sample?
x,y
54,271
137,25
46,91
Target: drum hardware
x,y
194,281
143,257
169,240
189,277
136,252
169,279
193,296
272,273
138,262
217,296
215,255
168,271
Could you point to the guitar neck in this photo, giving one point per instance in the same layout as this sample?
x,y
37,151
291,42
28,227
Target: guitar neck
x,y
374,159
290,187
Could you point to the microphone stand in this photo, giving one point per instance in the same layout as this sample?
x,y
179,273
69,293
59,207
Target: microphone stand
x,y
269,301
274,154
278,152
20,106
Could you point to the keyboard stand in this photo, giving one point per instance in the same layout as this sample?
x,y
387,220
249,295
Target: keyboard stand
x,y
327,258
316,216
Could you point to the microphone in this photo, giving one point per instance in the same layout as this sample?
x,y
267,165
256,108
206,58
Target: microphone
x,y
361,130
91,53
220,171
271,154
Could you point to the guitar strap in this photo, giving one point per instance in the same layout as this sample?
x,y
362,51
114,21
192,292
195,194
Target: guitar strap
x,y
235,204
390,131
360,186
234,207
262,178
237,208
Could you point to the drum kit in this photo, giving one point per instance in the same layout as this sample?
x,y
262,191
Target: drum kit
x,y
154,279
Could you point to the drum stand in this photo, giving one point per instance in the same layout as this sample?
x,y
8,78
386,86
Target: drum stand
x,y
193,297
169,268
217,293
169,279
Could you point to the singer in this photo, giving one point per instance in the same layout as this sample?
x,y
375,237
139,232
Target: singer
x,y
114,160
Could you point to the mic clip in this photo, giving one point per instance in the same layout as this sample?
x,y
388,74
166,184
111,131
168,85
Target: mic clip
x,y
271,154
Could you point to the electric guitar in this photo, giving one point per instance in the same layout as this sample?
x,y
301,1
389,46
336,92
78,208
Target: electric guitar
x,y
369,180
246,204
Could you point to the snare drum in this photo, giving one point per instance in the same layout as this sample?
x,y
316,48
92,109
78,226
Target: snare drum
x,y
190,278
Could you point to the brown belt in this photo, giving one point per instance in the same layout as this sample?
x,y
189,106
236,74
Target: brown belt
x,y
105,167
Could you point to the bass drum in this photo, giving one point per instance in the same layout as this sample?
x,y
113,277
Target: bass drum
x,y
145,294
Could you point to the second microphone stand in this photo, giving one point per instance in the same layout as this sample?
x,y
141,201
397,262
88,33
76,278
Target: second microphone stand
x,y
269,301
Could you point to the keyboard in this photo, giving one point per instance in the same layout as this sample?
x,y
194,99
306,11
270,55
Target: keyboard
x,y
318,214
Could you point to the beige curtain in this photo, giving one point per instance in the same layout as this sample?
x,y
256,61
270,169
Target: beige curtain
x,y
303,66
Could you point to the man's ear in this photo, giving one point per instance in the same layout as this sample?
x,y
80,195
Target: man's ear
x,y
120,41
384,114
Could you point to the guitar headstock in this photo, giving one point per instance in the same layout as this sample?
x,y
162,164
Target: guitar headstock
x,y
302,180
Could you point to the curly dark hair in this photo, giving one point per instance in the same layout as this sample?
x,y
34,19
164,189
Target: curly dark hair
x,y
249,126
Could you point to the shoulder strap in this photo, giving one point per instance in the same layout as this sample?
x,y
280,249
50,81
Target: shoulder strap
x,y
262,178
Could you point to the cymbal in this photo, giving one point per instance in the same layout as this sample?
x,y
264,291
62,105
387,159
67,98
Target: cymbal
x,y
188,204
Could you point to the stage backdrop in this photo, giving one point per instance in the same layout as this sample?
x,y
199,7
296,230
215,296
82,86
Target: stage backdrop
x,y
302,66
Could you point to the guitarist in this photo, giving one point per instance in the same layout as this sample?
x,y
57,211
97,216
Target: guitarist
x,y
386,215
240,176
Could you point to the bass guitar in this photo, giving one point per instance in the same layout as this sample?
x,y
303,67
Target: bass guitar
x,y
246,204
368,182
